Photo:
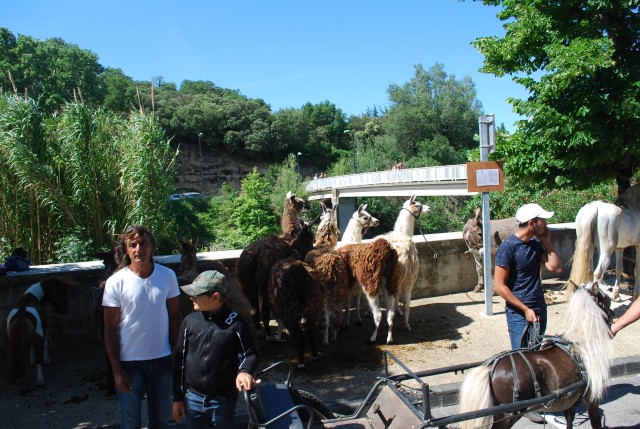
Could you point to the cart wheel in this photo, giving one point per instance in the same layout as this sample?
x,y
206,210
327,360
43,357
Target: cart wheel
x,y
301,397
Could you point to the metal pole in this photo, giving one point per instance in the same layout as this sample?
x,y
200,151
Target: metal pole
x,y
486,123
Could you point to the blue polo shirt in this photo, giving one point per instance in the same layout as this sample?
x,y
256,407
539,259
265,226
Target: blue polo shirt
x,y
523,259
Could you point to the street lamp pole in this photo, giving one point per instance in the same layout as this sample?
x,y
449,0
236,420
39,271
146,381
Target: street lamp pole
x,y
353,137
298,161
200,155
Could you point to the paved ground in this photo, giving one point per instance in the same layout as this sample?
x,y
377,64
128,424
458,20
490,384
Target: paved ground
x,y
447,330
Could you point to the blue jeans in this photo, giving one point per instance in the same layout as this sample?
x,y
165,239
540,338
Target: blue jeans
x,y
152,377
205,412
517,323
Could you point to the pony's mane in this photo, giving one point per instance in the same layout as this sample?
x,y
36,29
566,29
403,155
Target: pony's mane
x,y
589,333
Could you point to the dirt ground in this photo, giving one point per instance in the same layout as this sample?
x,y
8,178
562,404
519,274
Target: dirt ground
x,y
447,330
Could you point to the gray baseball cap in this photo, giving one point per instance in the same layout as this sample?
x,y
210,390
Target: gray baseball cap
x,y
207,281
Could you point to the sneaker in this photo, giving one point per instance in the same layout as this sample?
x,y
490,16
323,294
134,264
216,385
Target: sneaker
x,y
535,417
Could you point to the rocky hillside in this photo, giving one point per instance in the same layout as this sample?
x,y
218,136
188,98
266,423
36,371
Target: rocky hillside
x,y
206,175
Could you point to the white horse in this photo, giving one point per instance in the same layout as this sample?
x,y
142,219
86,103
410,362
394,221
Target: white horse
x,y
401,239
608,228
358,225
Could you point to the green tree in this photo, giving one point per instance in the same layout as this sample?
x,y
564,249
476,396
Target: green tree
x,y
54,72
239,219
580,62
431,109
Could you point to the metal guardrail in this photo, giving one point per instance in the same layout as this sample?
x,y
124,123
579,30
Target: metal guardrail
x,y
441,180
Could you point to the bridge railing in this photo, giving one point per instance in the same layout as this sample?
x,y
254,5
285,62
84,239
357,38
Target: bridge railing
x,y
441,173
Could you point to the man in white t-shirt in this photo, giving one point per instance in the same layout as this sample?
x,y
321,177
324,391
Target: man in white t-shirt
x,y
141,323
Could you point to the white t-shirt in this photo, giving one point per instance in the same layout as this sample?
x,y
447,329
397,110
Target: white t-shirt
x,y
143,330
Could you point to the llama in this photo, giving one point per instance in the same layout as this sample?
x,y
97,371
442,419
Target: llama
x,y
289,222
330,273
328,233
189,270
401,239
294,295
357,227
254,267
373,265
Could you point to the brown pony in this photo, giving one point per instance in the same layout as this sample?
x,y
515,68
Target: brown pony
x,y
519,375
27,327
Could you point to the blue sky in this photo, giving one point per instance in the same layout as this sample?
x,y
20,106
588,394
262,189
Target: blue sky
x,y
285,52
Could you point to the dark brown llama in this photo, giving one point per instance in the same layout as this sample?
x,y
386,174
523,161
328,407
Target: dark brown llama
x,y
294,295
330,273
254,268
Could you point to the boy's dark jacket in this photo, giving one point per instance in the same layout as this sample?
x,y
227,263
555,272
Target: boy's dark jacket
x,y
212,349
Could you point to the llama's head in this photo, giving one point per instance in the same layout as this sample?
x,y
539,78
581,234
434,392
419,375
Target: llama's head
x,y
414,207
364,218
298,204
328,215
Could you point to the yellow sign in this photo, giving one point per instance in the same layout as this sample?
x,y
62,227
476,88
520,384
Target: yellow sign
x,y
485,176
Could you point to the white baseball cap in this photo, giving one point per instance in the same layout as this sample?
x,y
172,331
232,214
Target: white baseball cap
x,y
532,211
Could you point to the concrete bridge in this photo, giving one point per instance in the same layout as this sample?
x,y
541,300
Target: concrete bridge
x,y
441,180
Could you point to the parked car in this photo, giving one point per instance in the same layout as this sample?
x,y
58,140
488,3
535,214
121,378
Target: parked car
x,y
175,197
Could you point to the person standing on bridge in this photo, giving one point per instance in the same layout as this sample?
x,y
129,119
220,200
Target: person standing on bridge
x,y
141,322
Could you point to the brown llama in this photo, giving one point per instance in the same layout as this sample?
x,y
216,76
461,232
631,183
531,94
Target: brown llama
x,y
294,295
374,266
328,233
330,273
290,222
254,267
358,225
189,270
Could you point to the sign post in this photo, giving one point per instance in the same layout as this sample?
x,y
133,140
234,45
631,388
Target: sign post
x,y
486,176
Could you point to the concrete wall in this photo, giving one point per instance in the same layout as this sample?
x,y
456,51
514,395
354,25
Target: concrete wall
x,y
445,268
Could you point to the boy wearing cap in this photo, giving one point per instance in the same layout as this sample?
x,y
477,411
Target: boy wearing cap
x,y
517,271
214,358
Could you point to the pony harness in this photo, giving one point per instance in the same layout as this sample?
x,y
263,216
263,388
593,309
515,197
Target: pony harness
x,y
547,342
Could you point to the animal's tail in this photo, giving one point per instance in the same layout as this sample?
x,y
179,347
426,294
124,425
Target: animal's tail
x,y
475,394
582,265
20,331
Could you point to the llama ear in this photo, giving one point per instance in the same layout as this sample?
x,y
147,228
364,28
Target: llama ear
x,y
289,195
364,207
413,198
324,207
335,207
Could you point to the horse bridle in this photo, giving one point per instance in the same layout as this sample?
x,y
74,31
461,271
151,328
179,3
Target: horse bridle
x,y
600,299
